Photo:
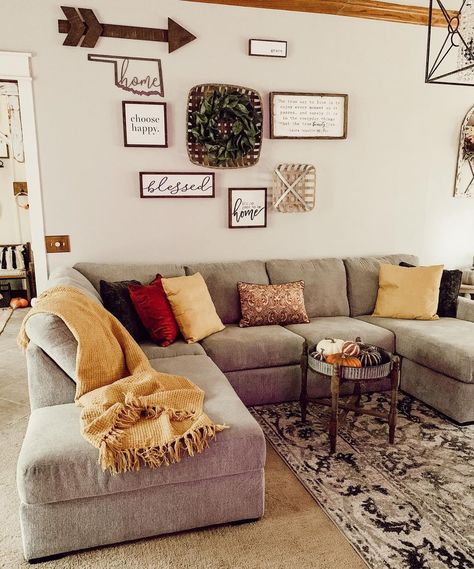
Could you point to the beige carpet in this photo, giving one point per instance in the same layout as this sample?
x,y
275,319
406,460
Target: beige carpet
x,y
294,533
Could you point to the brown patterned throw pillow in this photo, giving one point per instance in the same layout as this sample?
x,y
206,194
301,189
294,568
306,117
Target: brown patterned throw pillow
x,y
263,305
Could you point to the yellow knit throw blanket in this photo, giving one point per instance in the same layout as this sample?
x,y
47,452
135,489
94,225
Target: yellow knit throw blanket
x,y
131,413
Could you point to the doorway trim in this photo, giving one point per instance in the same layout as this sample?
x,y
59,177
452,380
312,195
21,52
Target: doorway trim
x,y
15,66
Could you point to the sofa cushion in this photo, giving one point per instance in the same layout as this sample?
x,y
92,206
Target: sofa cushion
x,y
445,345
345,328
248,348
114,272
67,276
324,284
53,468
222,279
178,348
117,300
363,280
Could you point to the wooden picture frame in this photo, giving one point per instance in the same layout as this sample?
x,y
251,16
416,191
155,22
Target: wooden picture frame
x,y
150,115
268,48
250,212
4,150
310,116
173,185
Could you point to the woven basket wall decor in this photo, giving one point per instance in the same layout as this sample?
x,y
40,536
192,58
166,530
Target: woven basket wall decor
x,y
197,152
294,188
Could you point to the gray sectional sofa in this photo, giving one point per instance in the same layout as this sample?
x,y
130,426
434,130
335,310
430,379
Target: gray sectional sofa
x,y
67,503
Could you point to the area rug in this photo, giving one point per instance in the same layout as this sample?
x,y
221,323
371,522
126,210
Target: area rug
x,y
5,315
404,506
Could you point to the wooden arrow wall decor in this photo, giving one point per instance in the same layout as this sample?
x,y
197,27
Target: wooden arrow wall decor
x,y
82,24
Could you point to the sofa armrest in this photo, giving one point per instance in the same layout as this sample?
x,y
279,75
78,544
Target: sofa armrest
x,y
465,309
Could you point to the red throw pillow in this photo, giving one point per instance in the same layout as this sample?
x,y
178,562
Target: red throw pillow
x,y
153,308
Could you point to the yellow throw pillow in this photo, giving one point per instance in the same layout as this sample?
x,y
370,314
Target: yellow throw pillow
x,y
192,307
410,293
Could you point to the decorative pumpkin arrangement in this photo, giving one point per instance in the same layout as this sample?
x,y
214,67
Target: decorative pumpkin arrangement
x,y
347,353
18,303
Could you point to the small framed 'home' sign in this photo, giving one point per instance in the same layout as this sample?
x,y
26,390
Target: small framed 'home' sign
x,y
177,185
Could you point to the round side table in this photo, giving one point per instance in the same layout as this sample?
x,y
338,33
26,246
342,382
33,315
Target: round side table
x,y
340,375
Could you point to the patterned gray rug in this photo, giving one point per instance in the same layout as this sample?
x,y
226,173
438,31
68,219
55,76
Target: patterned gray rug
x,y
410,505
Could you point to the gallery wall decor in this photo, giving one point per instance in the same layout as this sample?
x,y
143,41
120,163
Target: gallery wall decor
x,y
137,75
144,124
14,135
83,26
4,149
177,184
247,207
294,188
224,126
464,183
450,55
308,115
268,48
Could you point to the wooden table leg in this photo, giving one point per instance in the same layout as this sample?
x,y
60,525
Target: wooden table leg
x,y
304,382
395,380
335,380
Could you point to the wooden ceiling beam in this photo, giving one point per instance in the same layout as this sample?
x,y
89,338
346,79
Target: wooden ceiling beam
x,y
369,9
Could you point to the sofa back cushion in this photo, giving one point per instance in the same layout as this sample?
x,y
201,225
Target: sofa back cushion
x,y
221,280
114,272
324,284
363,280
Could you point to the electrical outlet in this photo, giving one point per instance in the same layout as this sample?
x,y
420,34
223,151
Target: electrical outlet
x,y
57,244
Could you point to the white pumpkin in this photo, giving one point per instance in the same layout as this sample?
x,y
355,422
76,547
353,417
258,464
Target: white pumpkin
x,y
330,346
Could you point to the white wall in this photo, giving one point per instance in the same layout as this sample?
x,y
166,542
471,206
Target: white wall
x,y
387,188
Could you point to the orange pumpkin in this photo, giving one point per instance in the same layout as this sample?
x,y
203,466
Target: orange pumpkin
x,y
18,303
343,360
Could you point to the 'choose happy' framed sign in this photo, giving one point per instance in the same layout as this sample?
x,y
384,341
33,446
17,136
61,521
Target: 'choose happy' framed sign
x,y
144,124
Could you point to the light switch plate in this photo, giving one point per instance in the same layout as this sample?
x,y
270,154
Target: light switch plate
x,y
57,244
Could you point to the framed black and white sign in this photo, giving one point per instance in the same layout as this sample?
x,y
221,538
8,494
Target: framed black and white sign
x,y
247,207
268,48
4,149
308,115
144,124
177,185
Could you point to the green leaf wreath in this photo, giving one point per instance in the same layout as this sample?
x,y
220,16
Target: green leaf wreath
x,y
226,106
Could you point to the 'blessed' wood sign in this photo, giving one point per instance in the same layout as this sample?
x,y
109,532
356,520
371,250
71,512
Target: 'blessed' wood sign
x,y
177,185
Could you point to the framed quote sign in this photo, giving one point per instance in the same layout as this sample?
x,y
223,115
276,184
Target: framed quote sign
x,y
268,48
247,207
144,124
308,115
177,185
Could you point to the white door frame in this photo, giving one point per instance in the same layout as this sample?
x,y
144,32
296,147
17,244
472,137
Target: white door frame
x,y
15,66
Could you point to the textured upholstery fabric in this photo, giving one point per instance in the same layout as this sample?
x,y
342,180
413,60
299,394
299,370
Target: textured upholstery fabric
x,y
48,529
222,279
117,300
67,276
325,284
465,309
178,348
114,272
52,468
247,348
345,328
154,310
53,336
192,307
445,345
47,383
449,396
408,292
363,280
265,305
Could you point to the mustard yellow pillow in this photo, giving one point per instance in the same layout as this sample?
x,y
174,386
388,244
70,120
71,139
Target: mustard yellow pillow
x,y
192,307
410,293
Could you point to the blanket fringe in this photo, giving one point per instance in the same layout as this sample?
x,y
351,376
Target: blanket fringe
x,y
117,460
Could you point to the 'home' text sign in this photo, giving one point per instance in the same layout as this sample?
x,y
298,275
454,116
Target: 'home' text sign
x,y
177,185
308,115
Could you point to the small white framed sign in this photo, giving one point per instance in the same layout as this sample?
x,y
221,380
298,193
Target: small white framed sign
x,y
247,207
308,115
268,48
144,124
177,185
